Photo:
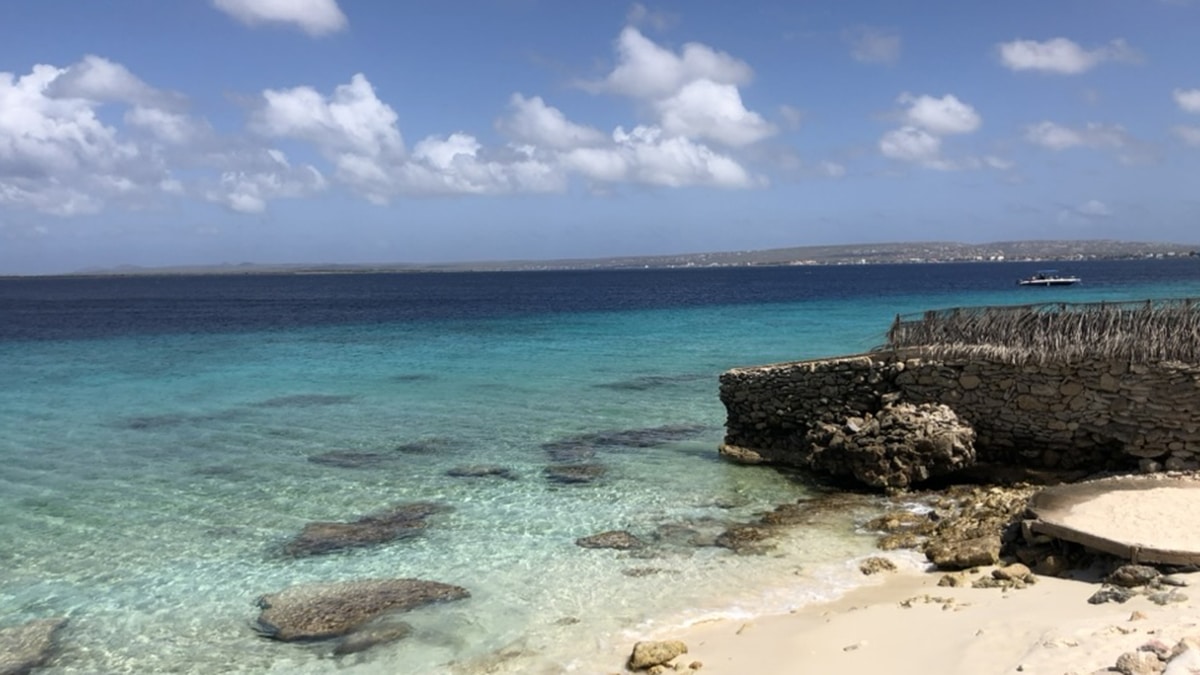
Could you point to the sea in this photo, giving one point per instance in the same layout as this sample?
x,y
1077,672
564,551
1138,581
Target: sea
x,y
164,438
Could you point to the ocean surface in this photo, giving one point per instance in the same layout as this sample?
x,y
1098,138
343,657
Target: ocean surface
x,y
162,439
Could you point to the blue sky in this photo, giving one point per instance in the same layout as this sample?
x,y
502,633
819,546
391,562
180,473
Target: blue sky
x,y
225,131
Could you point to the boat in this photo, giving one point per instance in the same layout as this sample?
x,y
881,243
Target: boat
x,y
1048,278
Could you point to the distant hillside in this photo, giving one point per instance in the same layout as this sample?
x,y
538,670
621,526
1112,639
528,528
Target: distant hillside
x,y
848,254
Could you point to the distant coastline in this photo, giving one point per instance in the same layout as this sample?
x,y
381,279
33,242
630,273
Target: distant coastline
x,y
846,254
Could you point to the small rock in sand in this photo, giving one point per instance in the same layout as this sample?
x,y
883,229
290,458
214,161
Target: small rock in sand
x,y
876,564
648,654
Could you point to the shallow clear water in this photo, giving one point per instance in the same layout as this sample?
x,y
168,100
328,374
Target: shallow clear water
x,y
156,436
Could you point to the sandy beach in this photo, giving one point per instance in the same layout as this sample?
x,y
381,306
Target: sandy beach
x,y
908,625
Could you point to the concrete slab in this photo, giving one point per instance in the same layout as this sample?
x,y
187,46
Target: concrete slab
x,y
1144,519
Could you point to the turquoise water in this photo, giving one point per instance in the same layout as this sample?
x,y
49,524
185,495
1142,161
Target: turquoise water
x,y
151,478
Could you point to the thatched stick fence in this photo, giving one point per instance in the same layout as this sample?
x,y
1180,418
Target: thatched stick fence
x,y
1137,332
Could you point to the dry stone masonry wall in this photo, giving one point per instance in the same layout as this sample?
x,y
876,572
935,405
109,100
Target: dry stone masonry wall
x,y
1085,415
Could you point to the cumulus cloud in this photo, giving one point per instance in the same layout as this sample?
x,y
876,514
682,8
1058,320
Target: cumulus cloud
x,y
56,156
352,120
1094,208
926,121
1188,99
249,191
532,121
873,45
99,80
646,70
1062,56
910,144
694,93
315,17
945,115
1058,137
706,109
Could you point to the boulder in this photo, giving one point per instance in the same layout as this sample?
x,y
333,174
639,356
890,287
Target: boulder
x,y
901,445
28,646
400,522
649,654
964,553
876,564
328,610
1131,576
618,539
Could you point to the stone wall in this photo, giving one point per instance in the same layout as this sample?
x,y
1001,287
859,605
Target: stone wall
x,y
1087,415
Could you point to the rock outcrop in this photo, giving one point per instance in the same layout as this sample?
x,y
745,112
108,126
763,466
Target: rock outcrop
x,y
328,610
400,522
901,445
28,646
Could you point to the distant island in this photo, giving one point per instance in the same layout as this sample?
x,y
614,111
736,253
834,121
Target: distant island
x,y
847,254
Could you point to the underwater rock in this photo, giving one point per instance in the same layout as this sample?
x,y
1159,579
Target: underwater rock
x,y
574,474
28,646
482,471
400,522
351,459
647,437
648,382
326,610
427,446
745,539
304,401
618,539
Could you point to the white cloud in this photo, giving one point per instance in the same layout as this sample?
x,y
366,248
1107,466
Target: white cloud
x,y
1062,56
168,127
245,192
532,121
910,144
353,120
873,45
315,17
647,155
706,109
1188,99
831,169
56,156
927,120
1094,208
694,93
456,165
99,80
1058,137
1189,135
646,70
942,116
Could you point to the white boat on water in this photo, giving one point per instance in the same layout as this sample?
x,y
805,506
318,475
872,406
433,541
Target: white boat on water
x,y
1048,278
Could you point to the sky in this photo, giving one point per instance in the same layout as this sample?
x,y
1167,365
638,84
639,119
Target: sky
x,y
196,132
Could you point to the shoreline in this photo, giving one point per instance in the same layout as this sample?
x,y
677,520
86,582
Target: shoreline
x,y
908,625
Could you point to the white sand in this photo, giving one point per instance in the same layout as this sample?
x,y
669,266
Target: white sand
x,y
1167,517
1047,628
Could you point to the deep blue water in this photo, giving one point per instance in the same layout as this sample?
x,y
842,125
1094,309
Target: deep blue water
x,y
162,438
